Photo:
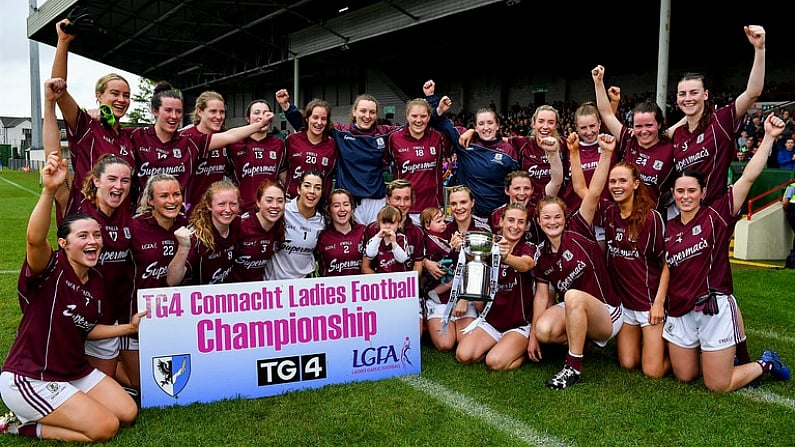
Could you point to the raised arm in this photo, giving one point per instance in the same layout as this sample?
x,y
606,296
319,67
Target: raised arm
x,y
67,104
774,126
236,134
37,247
552,148
756,79
603,103
178,265
590,202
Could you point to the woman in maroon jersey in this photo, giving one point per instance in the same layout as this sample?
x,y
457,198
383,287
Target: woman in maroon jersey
x,y
340,246
257,158
262,232
207,247
500,338
704,323
571,262
415,154
153,246
208,118
312,147
105,194
636,260
92,135
161,149
46,381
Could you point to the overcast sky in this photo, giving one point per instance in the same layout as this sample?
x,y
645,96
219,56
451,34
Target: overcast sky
x,y
15,85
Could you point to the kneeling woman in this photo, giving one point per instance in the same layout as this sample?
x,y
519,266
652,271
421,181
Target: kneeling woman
x,y
501,337
46,380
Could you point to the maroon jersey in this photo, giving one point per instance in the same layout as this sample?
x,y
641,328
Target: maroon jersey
x,y
58,312
177,157
697,254
533,232
207,266
437,248
589,158
153,248
533,159
578,264
255,246
414,242
513,302
87,143
303,155
710,151
635,263
254,162
656,164
340,254
385,262
210,167
114,258
420,162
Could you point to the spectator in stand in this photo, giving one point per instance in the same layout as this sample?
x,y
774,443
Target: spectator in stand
x,y
310,148
788,201
742,155
704,326
261,233
206,250
256,158
340,246
786,155
211,166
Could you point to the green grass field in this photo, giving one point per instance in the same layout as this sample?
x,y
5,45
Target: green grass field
x,y
450,404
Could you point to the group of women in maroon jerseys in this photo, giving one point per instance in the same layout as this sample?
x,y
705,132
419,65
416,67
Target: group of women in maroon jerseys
x,y
204,205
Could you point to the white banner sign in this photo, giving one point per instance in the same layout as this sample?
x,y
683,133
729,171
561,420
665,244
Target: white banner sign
x,y
257,339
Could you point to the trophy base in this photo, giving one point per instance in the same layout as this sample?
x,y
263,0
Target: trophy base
x,y
473,297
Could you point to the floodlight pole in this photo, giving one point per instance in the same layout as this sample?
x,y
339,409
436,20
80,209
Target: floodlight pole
x,y
35,93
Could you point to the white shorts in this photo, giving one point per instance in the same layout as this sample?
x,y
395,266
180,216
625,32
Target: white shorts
x,y
129,343
436,310
615,317
32,399
497,335
711,332
367,210
104,348
635,317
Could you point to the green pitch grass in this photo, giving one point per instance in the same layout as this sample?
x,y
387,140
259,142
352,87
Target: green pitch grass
x,y
449,404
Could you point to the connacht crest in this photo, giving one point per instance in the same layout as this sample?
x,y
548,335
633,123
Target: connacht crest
x,y
171,373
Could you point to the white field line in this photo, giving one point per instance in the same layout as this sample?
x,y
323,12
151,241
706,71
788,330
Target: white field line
x,y
769,397
474,408
9,272
21,187
773,335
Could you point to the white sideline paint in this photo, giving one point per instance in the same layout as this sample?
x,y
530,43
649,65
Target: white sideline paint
x,y
473,408
21,187
767,396
773,335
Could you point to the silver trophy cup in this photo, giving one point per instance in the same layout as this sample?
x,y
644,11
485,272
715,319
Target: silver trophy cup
x,y
477,270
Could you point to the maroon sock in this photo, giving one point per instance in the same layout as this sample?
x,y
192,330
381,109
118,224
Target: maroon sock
x,y
575,361
742,353
766,366
28,430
